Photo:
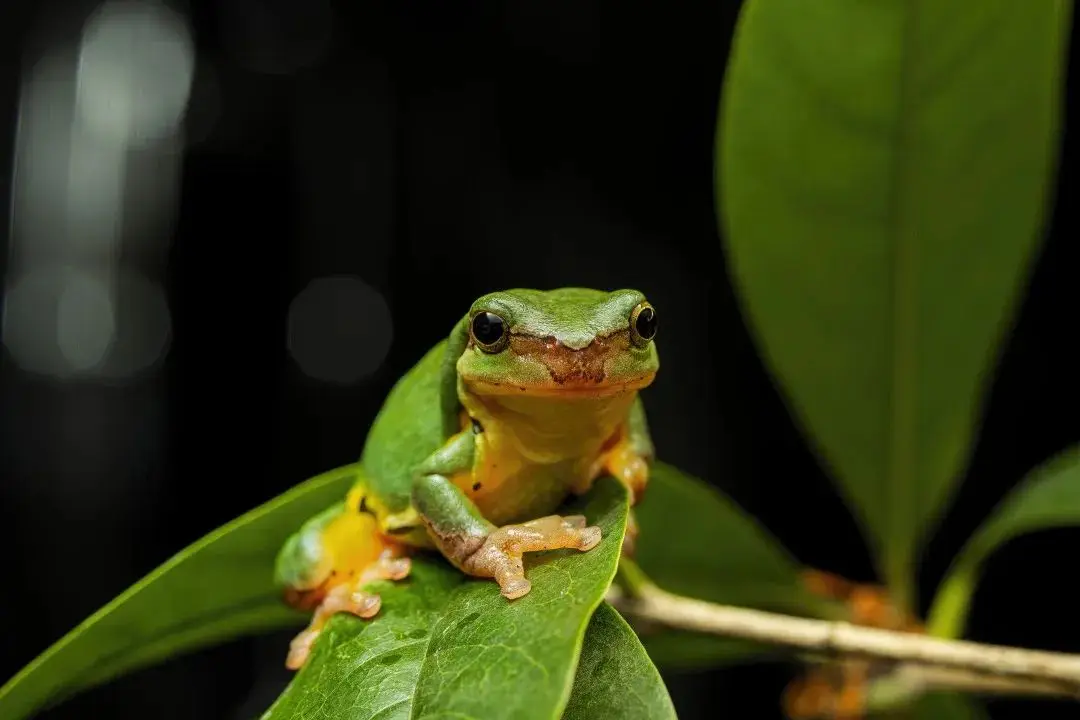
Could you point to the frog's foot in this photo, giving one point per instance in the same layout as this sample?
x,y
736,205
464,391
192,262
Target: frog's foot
x,y
346,596
499,556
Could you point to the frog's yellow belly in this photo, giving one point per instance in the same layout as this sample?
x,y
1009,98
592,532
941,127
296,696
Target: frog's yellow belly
x,y
532,452
514,478
509,490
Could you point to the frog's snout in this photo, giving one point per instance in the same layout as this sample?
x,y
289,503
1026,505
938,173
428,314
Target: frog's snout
x,y
569,366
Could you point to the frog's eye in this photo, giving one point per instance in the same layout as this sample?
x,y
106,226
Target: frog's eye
x,y
642,324
489,331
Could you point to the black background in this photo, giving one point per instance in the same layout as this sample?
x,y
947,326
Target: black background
x,y
438,151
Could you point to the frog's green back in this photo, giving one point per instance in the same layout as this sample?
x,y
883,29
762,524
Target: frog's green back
x,y
407,429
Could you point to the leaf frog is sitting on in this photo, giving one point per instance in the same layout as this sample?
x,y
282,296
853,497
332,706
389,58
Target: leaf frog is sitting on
x,y
531,398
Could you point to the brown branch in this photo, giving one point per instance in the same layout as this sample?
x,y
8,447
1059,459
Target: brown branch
x,y
922,662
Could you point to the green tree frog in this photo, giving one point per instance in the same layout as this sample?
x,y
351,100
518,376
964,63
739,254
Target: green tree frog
x,y
532,397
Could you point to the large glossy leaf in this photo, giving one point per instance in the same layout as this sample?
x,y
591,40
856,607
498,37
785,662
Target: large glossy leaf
x,y
218,588
883,170
695,541
1048,497
615,678
444,646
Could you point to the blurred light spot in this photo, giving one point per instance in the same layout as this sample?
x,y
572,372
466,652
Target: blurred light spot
x,y
85,322
94,192
58,321
143,326
66,321
339,330
135,69
279,37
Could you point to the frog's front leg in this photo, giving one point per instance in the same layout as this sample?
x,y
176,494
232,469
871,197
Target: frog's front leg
x,y
325,566
475,545
627,458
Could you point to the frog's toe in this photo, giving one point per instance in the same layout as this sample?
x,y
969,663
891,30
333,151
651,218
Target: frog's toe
x,y
589,538
397,568
341,598
387,567
357,602
553,532
346,598
514,588
300,649
574,521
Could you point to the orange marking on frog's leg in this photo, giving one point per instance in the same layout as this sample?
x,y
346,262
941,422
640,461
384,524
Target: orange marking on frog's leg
x,y
619,459
355,553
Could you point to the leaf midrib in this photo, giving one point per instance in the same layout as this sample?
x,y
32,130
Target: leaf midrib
x,y
902,351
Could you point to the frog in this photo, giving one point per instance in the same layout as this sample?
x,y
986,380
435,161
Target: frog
x,y
533,396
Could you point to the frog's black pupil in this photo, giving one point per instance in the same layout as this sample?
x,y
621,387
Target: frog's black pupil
x,y
488,328
645,324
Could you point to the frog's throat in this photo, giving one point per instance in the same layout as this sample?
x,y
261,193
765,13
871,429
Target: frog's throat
x,y
539,429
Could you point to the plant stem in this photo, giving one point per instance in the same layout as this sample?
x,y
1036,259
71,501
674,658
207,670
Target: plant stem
x,y
948,612
940,663
631,578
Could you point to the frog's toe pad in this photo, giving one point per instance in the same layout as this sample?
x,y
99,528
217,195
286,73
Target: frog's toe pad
x,y
390,568
514,588
589,538
553,532
345,598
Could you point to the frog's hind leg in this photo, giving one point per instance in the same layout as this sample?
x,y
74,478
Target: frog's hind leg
x,y
347,596
325,566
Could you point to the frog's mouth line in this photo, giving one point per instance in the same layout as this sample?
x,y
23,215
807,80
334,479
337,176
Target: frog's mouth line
x,y
576,390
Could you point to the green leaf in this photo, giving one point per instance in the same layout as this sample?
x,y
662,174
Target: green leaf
x,y
218,588
694,541
615,678
891,698
444,646
1048,497
948,706
883,171
369,669
685,650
